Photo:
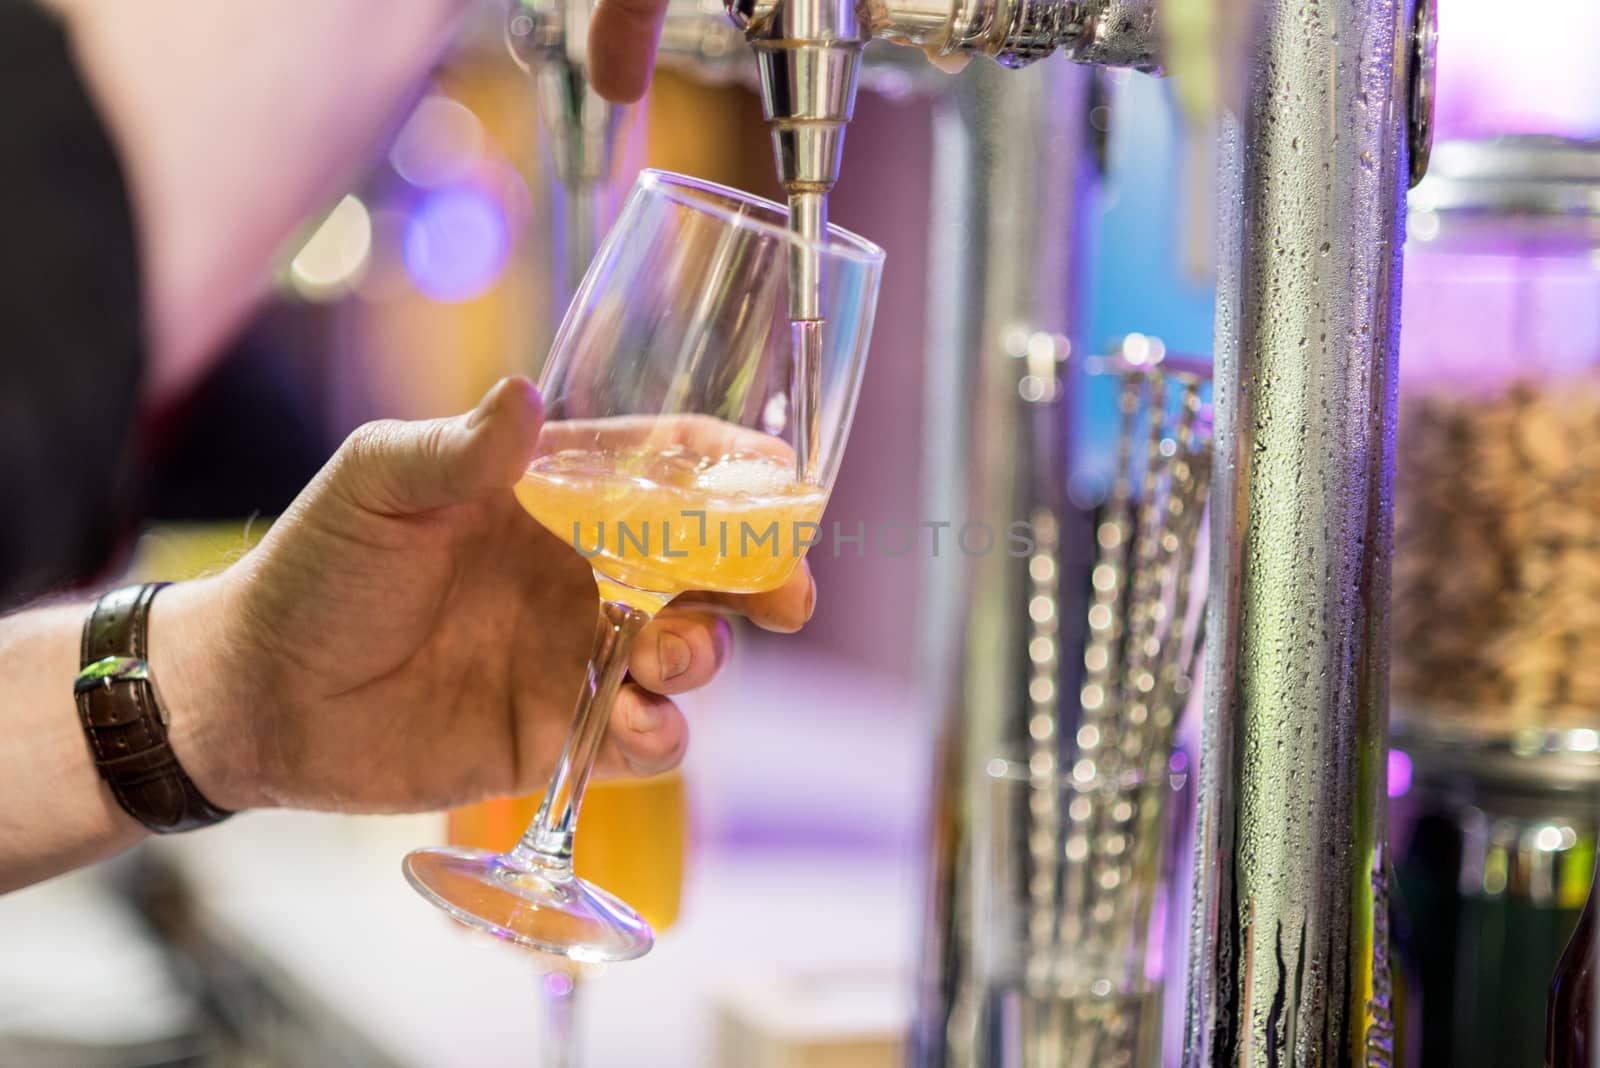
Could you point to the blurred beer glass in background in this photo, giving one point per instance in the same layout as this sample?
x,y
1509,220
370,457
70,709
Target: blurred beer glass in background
x,y
634,842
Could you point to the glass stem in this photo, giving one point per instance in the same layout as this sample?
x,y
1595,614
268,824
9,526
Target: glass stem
x,y
548,839
559,993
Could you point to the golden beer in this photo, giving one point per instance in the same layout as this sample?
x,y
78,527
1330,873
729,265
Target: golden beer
x,y
670,522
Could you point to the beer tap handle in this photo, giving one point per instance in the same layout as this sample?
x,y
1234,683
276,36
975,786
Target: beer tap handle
x,y
549,38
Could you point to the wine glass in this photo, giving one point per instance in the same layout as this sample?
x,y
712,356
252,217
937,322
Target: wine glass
x,y
668,460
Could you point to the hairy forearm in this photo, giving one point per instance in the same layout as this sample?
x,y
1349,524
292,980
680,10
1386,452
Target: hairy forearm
x,y
55,813
235,121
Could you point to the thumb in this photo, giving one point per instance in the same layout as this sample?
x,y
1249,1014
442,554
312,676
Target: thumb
x,y
403,468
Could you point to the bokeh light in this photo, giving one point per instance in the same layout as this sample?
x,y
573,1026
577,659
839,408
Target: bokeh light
x,y
457,243
332,261
439,145
1399,773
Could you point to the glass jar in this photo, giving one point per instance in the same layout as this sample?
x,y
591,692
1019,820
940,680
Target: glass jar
x,y
1496,644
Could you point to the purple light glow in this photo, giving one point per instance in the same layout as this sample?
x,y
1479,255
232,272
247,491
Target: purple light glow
x,y
1495,80
1399,773
457,243
1488,318
1155,951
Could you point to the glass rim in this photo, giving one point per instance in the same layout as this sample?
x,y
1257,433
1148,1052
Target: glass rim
x,y
702,195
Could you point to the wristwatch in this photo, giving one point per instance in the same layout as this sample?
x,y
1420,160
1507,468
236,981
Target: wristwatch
x,y
124,723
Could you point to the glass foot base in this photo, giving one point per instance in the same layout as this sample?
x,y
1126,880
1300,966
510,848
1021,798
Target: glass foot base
x,y
547,909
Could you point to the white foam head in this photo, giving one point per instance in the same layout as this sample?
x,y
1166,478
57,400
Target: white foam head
x,y
745,478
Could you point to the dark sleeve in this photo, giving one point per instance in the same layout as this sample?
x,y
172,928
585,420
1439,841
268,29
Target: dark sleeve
x,y
71,336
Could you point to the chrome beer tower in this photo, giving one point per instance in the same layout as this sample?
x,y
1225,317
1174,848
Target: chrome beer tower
x,y
1288,956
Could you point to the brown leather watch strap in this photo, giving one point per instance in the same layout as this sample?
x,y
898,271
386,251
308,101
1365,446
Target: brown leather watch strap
x,y
124,724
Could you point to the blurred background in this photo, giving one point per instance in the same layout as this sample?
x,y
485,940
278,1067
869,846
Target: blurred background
x,y
800,812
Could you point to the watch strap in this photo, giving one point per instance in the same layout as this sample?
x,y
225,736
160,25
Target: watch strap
x,y
123,720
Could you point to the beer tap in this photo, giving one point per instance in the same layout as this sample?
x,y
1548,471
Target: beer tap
x,y
808,55
809,58
549,38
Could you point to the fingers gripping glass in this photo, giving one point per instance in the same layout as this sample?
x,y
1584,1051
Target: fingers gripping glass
x,y
668,460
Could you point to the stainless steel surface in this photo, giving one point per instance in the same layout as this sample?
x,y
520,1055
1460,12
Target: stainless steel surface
x,y
582,130
809,57
809,51
1422,85
1118,33
808,216
1004,294
1289,962
1521,175
579,124
808,54
804,388
1529,197
698,37
550,39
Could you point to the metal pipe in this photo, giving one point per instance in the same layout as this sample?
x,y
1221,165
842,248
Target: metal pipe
x,y
550,39
1011,160
698,37
1014,33
1288,960
581,129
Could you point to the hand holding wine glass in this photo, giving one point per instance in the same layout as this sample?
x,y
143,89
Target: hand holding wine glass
x,y
668,462
406,638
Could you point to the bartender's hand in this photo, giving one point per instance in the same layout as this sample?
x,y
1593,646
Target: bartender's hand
x,y
406,637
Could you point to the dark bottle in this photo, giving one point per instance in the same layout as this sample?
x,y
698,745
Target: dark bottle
x,y
1569,1027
